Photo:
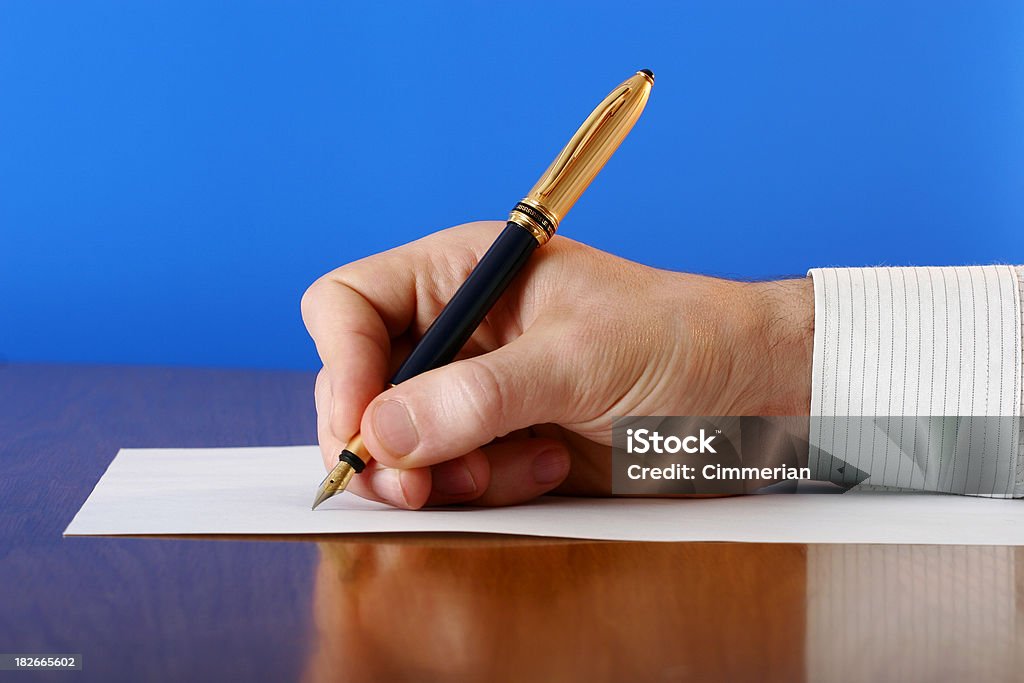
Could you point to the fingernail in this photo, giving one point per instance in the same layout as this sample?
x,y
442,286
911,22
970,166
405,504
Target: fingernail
x,y
550,467
394,428
387,483
453,479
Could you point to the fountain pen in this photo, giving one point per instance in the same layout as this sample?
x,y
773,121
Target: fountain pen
x,y
531,224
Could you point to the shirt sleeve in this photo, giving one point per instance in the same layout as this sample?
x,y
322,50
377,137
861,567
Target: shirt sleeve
x,y
917,378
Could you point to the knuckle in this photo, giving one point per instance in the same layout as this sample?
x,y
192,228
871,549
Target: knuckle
x,y
485,395
312,297
321,388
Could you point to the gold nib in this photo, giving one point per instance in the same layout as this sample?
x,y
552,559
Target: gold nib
x,y
334,483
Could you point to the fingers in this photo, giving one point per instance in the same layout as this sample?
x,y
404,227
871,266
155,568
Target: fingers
x,y
364,317
354,312
522,470
460,407
330,444
401,488
354,346
503,473
407,489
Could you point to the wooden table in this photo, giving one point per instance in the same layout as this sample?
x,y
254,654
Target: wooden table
x,y
443,607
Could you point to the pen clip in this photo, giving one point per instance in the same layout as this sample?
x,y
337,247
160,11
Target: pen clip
x,y
584,135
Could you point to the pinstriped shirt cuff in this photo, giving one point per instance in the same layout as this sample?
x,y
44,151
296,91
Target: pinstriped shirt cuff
x,y
935,355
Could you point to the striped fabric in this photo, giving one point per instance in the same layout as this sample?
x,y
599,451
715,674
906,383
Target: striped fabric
x,y
934,359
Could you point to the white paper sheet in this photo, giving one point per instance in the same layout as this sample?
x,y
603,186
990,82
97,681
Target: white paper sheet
x,y
269,491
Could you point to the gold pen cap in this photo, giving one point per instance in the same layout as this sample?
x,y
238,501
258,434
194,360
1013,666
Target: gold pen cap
x,y
578,164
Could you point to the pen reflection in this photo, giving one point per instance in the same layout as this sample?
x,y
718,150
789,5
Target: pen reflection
x,y
518,609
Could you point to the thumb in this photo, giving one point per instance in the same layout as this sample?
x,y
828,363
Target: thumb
x,y
452,410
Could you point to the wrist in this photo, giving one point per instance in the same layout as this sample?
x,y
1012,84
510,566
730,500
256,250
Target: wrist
x,y
781,319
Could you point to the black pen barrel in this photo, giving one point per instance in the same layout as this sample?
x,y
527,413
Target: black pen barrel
x,y
466,310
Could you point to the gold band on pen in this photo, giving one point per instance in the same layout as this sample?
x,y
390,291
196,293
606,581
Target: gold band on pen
x,y
356,447
531,215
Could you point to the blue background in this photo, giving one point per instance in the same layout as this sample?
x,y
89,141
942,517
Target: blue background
x,y
173,175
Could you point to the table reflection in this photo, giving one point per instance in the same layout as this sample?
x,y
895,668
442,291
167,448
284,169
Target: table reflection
x,y
471,608
535,610
915,612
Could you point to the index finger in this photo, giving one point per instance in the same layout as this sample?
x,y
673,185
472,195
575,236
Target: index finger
x,y
353,312
353,344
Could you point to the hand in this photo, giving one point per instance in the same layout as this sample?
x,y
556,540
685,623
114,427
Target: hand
x,y
526,408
